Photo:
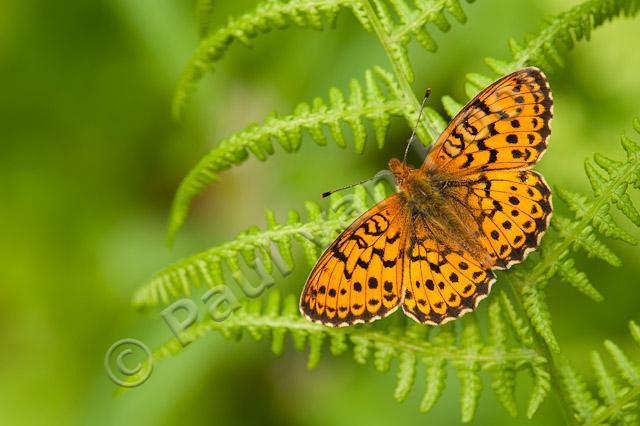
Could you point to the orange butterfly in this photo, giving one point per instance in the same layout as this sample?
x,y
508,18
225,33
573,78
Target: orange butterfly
x,y
473,205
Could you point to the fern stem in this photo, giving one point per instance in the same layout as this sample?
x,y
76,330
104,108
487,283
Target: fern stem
x,y
432,132
543,349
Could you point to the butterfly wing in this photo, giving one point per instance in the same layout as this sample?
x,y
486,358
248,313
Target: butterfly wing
x,y
359,277
487,151
512,209
505,126
390,257
441,282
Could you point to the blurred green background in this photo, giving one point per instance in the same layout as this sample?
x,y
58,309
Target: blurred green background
x,y
90,158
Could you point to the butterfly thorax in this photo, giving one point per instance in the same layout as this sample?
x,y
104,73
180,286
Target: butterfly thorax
x,y
414,182
431,200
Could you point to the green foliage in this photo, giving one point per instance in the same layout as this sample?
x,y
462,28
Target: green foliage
x,y
520,330
565,29
363,101
408,19
255,249
270,15
610,180
618,392
369,102
459,346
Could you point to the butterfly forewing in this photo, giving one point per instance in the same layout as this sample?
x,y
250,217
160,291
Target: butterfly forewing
x,y
504,127
358,278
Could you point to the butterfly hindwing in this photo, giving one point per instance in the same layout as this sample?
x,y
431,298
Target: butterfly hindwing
x,y
441,283
512,209
359,277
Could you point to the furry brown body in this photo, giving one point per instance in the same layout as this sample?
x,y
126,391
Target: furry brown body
x,y
437,210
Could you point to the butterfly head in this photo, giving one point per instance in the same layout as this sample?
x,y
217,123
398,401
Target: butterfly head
x,y
399,169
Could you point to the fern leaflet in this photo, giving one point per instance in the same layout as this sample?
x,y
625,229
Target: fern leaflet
x,y
376,100
461,346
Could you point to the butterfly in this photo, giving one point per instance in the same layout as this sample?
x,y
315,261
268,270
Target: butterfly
x,y
473,206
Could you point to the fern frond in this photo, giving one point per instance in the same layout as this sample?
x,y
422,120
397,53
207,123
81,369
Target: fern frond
x,y
468,370
256,249
538,312
376,100
462,348
267,16
504,378
560,32
582,401
619,393
563,31
204,10
395,36
409,19
436,373
568,273
610,180
541,377
278,14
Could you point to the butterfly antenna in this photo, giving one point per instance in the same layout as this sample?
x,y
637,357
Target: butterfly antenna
x,y
377,175
413,134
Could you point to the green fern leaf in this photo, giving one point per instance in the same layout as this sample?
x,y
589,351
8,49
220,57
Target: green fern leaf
x,y
436,372
611,180
562,31
406,375
410,345
369,103
451,106
619,394
411,20
276,14
538,313
581,399
567,272
541,386
625,367
436,375
209,266
384,353
470,381
267,16
504,377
